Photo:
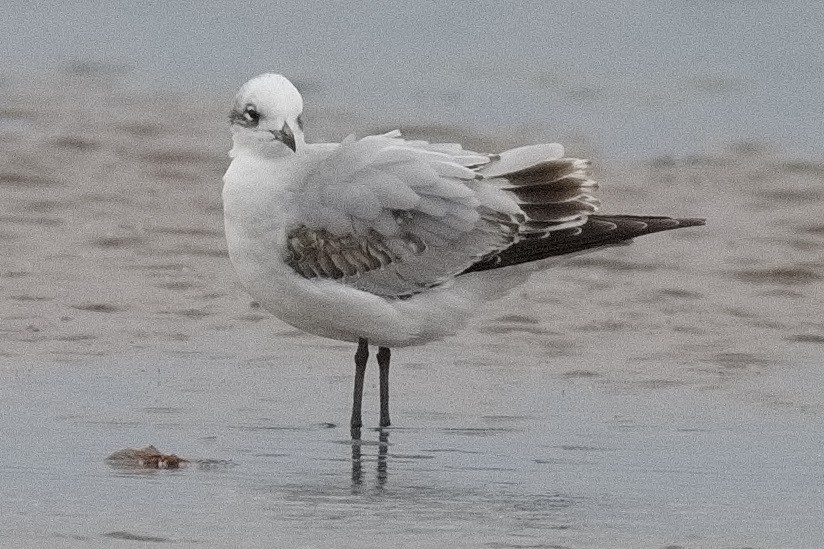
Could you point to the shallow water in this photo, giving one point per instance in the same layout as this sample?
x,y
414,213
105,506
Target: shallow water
x,y
663,394
486,454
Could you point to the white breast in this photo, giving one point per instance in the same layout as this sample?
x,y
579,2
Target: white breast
x,y
257,202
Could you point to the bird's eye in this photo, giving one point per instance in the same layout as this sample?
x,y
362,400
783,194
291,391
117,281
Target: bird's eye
x,y
251,115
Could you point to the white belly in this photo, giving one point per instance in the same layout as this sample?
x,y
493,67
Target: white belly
x,y
337,311
326,307
257,211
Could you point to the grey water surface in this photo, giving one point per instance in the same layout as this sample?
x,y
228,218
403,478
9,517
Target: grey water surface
x,y
665,394
626,80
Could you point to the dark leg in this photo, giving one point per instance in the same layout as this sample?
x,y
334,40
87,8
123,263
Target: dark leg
x,y
383,365
361,356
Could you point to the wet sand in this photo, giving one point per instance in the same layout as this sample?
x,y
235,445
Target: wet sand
x,y
665,394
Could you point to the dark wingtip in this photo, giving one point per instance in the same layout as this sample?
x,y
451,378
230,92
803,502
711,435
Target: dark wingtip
x,y
599,231
691,222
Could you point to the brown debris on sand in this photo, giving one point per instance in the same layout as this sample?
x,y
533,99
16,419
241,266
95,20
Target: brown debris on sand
x,y
145,458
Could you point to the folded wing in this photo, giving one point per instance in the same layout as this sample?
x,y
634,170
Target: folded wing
x,y
394,217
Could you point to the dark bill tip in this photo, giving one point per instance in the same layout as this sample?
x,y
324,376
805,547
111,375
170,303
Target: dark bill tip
x,y
287,137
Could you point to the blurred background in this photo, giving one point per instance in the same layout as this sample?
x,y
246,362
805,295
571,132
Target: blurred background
x,y
629,79
665,394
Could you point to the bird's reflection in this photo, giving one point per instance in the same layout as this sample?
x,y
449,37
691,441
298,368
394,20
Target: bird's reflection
x,y
383,448
357,464
357,461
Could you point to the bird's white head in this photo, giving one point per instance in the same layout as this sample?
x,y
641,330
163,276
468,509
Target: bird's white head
x,y
266,116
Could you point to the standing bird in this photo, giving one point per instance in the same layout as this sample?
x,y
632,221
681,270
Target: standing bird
x,y
392,242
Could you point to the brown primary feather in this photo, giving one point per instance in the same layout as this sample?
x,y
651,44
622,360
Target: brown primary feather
x,y
561,190
552,192
599,231
561,211
548,171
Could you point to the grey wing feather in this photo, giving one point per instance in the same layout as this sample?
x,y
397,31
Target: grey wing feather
x,y
395,217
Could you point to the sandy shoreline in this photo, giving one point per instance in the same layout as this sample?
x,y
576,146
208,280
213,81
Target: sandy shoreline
x,y
121,324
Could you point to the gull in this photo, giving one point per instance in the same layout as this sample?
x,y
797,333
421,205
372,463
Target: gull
x,y
395,242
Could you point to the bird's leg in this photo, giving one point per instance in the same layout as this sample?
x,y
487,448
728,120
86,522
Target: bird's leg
x,y
383,365
361,356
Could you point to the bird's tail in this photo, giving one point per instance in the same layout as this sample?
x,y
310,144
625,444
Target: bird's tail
x,y
599,231
553,191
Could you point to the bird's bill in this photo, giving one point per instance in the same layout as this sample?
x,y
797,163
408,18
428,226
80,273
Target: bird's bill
x,y
286,136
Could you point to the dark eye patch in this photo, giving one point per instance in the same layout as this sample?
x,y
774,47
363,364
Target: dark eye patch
x,y
247,116
251,115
